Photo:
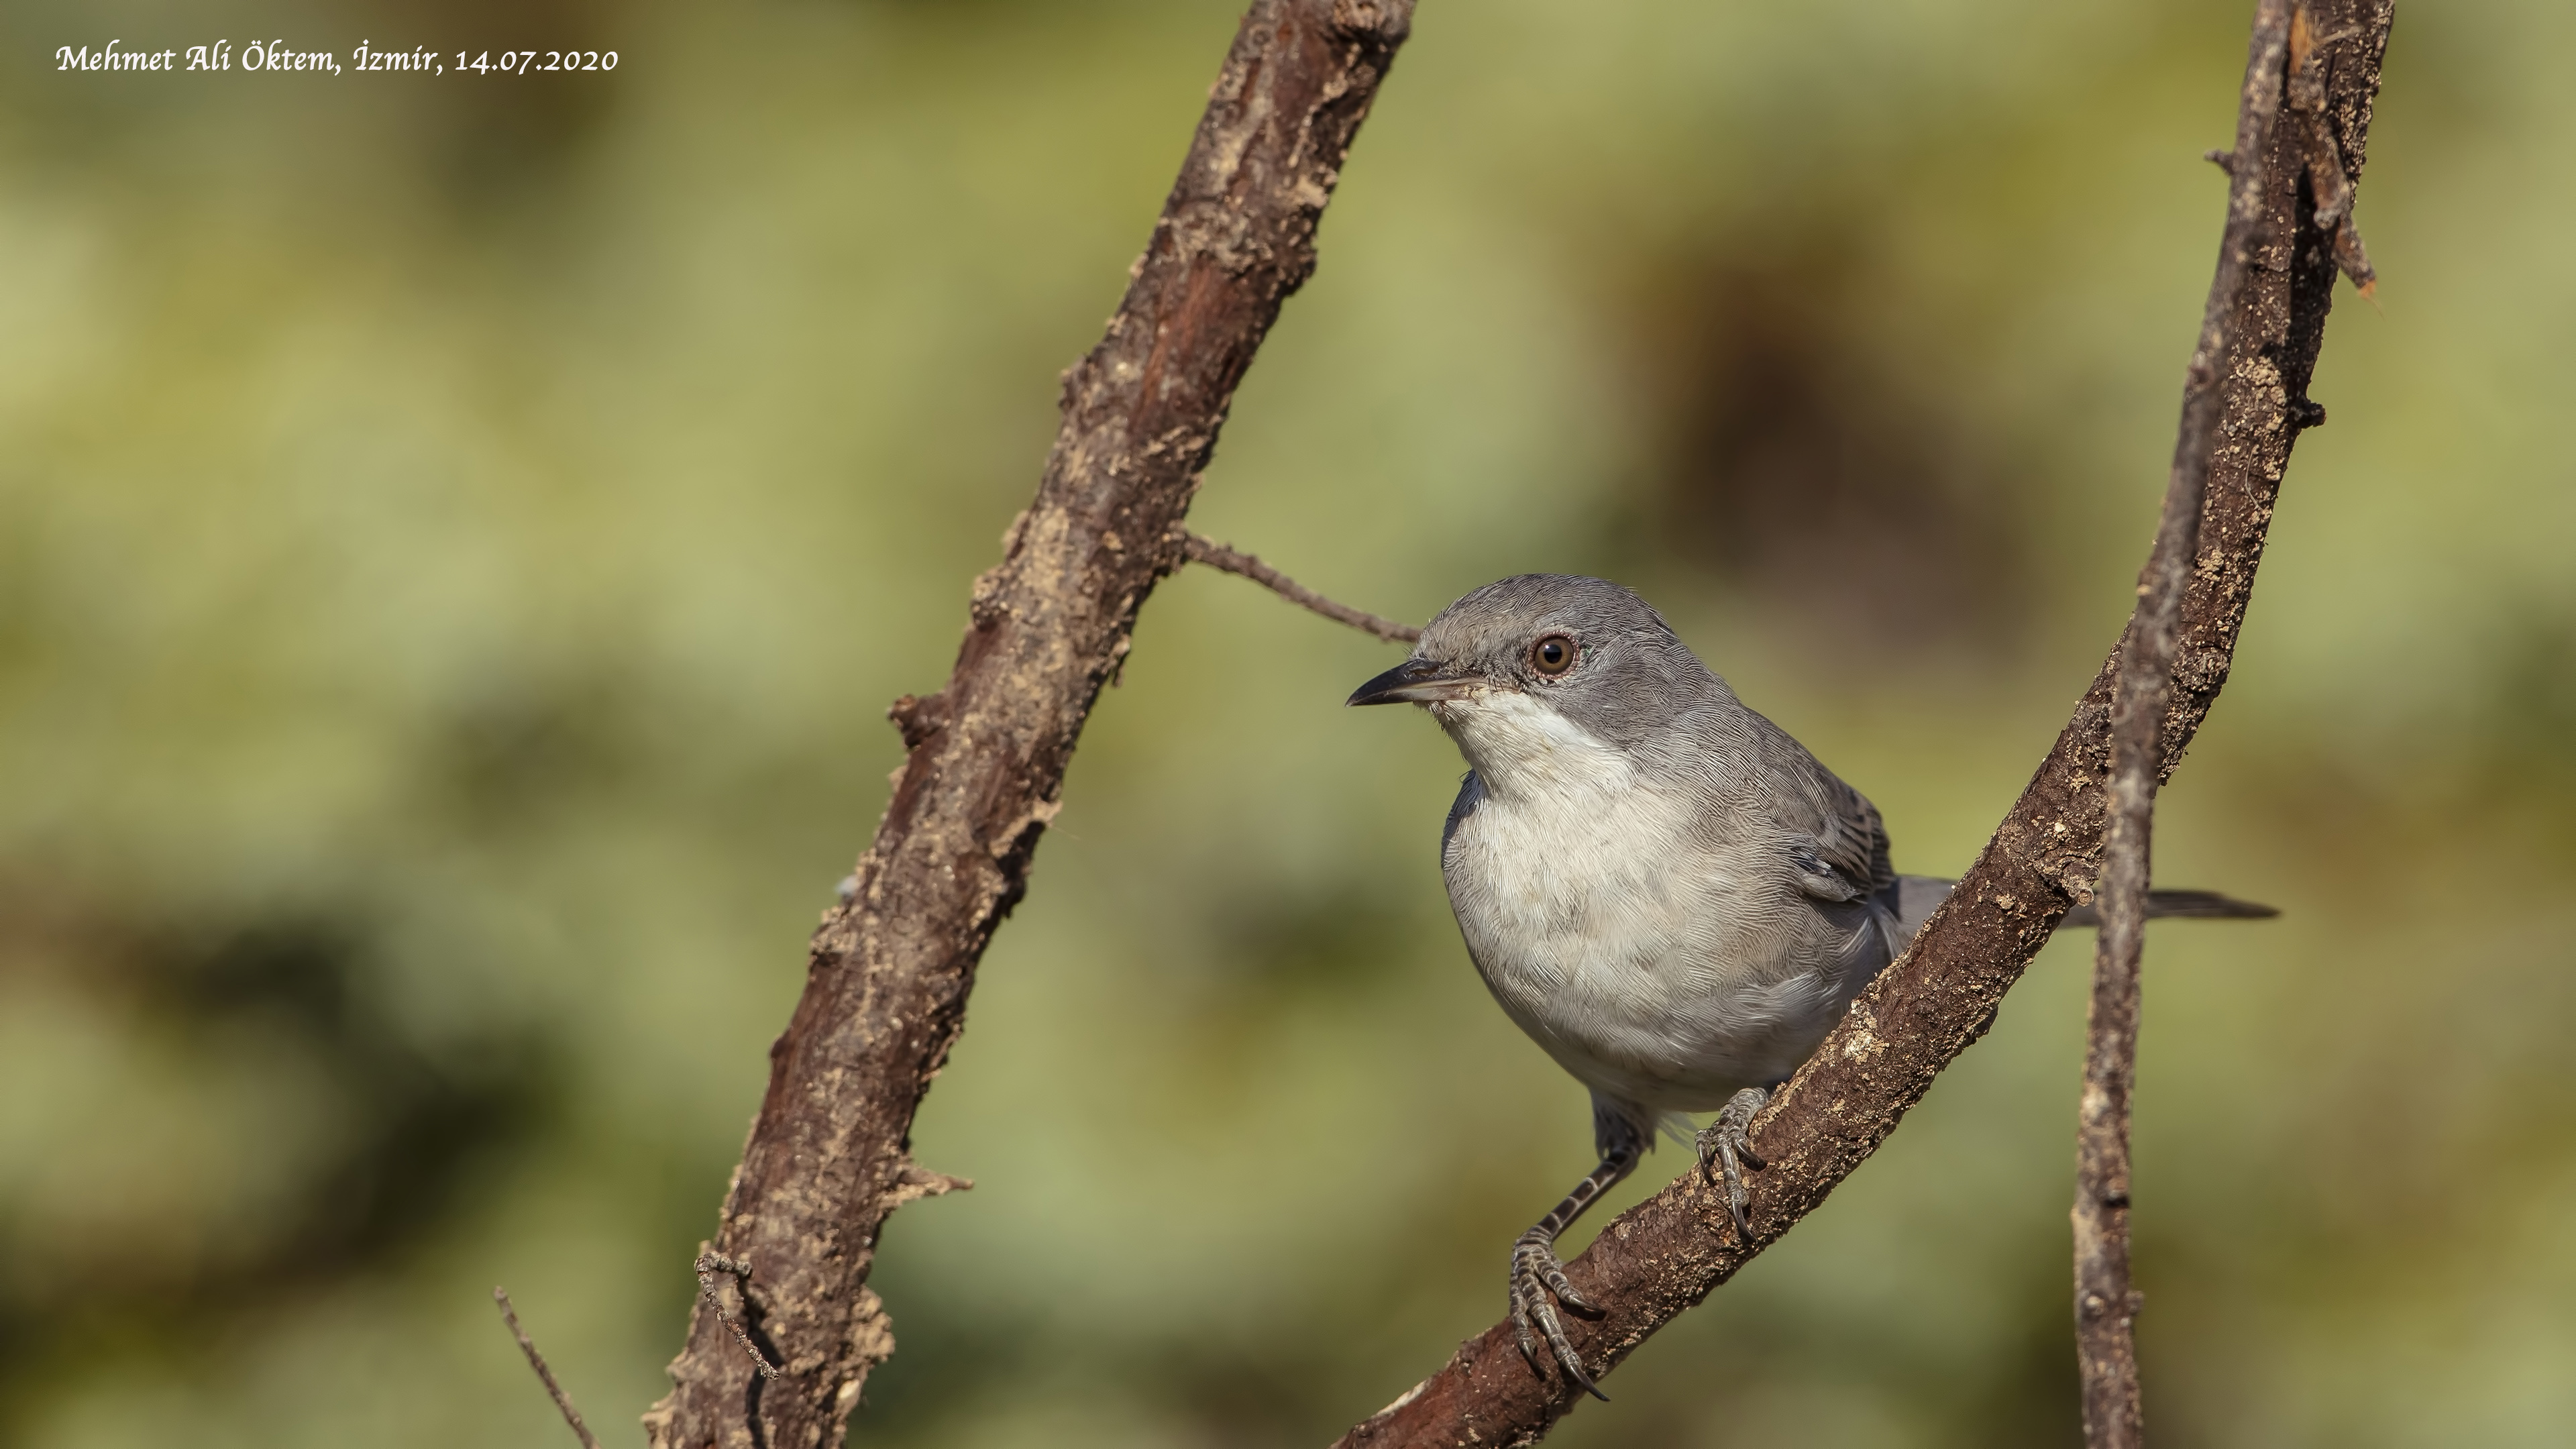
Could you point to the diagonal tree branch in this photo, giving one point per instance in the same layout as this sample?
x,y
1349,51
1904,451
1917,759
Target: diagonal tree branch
x,y
886,985
1671,1251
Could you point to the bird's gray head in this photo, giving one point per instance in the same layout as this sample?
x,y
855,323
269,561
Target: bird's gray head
x,y
1541,671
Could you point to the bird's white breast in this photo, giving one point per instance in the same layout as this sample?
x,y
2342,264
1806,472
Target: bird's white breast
x,y
1609,926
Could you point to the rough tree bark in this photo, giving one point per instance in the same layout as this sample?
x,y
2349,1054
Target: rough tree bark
x,y
889,972
1669,1252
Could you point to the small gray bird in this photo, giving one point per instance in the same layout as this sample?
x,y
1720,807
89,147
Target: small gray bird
x,y
1668,893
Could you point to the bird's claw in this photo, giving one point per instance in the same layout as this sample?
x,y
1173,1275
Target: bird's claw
x,y
1536,1274
1728,1146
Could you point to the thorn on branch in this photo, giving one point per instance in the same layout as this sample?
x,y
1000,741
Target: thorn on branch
x,y
2223,160
1226,560
709,1265
545,1375
916,1182
918,717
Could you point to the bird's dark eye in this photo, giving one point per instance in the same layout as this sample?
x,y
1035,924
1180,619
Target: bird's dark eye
x,y
1553,654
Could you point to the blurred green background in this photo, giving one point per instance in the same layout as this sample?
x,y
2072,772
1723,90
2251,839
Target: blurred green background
x,y
458,536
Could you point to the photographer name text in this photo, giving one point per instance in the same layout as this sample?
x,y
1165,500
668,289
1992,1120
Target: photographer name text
x,y
277,55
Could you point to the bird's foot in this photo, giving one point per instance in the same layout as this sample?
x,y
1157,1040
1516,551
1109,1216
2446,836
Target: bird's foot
x,y
1536,1274
1726,1145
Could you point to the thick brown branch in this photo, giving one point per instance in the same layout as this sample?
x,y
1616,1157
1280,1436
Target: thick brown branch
x,y
1218,556
545,1375
1672,1250
886,984
2105,1304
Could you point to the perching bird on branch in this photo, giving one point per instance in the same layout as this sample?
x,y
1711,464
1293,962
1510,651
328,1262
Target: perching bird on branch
x,y
1666,891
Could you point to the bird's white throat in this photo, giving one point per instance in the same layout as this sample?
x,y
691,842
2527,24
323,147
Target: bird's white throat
x,y
1521,747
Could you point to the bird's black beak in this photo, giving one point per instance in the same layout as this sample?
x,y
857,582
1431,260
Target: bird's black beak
x,y
1415,681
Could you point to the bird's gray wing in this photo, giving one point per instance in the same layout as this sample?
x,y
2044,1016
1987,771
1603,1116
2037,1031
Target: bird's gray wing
x,y
1842,850
1864,842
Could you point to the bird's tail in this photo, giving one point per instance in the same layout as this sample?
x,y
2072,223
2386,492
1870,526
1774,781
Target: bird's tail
x,y
1914,896
2183,906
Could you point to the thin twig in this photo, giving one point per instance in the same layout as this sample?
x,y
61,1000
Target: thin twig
x,y
2106,1306
1219,556
709,1265
545,1375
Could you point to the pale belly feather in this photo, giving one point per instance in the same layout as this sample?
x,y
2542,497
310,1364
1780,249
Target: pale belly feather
x,y
1638,955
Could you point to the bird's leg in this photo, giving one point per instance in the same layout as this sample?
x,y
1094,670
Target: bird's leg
x,y
1726,1144
1537,1272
